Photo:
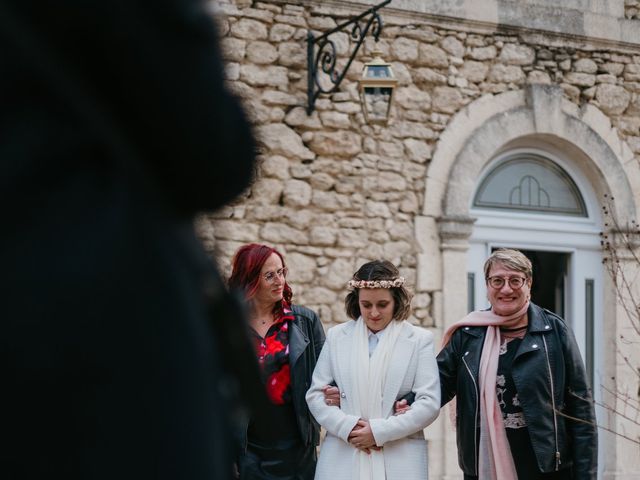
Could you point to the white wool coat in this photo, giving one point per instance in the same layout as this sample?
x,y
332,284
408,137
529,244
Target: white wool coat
x,y
412,368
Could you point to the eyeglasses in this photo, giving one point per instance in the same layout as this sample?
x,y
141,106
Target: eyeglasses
x,y
515,283
270,277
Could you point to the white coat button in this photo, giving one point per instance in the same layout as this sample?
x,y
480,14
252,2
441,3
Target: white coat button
x,y
466,328
547,327
535,345
343,395
466,353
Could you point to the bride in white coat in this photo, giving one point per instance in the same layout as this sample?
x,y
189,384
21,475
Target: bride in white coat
x,y
374,360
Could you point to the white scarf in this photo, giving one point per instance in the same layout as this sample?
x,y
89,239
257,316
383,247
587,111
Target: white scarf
x,y
369,375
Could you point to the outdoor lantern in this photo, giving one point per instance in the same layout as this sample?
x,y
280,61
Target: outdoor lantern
x,y
376,90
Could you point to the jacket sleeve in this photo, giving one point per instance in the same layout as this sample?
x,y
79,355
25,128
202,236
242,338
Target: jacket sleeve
x,y
448,360
313,328
332,418
579,405
318,334
425,408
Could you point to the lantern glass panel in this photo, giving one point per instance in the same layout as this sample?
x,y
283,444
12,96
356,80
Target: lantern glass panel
x,y
377,101
378,71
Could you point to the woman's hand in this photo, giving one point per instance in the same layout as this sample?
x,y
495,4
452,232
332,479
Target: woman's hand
x,y
400,407
331,395
362,438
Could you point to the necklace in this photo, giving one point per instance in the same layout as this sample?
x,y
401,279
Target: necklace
x,y
264,320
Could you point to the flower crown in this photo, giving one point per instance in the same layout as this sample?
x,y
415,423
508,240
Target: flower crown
x,y
393,283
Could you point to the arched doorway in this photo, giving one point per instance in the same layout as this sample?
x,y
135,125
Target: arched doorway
x,y
582,142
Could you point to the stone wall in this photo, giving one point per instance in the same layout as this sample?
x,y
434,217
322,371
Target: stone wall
x,y
331,191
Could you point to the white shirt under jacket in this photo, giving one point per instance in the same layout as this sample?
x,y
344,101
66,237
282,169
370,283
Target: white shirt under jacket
x,y
412,368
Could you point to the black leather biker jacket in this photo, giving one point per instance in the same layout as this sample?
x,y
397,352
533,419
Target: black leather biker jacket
x,y
552,388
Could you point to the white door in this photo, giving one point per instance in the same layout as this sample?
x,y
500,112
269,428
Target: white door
x,y
582,282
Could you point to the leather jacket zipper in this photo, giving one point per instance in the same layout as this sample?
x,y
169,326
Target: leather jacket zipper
x,y
475,423
553,404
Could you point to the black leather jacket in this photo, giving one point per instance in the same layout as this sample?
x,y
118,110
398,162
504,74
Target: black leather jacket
x,y
306,338
552,387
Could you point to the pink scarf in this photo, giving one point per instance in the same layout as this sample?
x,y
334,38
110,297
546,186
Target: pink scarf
x,y
496,461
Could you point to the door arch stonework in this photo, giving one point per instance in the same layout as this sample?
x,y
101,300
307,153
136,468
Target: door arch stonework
x,y
537,116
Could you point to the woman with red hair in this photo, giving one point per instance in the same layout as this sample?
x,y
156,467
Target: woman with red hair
x,y
288,339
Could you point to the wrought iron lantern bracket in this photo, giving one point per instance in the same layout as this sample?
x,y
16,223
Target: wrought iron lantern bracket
x,y
325,58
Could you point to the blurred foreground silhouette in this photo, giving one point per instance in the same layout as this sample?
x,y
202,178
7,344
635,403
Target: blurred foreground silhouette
x,y
117,338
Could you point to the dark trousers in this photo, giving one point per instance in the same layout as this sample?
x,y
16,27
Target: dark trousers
x,y
535,475
285,460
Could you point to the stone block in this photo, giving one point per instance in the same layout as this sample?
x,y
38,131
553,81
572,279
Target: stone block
x,y
506,74
298,117
330,201
258,14
413,129
322,24
353,238
512,54
427,75
629,125
447,100
410,203
264,76
268,190
323,295
235,230
585,65
232,71
297,193
295,20
422,33
432,56
292,54
483,53
404,50
474,71
417,150
322,181
339,272
281,33
612,68
612,99
275,97
275,166
277,232
341,144
606,78
580,79
453,46
537,76
249,29
412,98
391,181
377,209
280,139
332,119
632,72
301,267
234,49
323,236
